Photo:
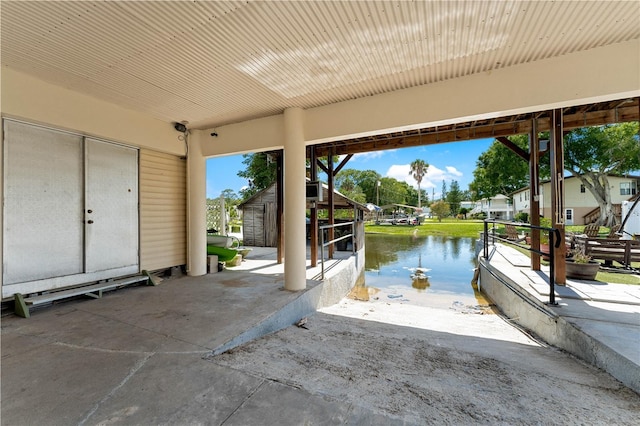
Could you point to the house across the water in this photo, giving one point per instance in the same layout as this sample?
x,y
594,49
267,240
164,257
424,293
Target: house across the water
x,y
581,207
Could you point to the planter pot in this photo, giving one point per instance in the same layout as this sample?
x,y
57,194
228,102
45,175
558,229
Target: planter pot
x,y
545,249
582,271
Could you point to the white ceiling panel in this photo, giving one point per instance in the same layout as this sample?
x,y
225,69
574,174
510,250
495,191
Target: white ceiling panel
x,y
216,62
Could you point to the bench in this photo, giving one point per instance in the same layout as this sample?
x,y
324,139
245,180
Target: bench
x,y
611,249
22,304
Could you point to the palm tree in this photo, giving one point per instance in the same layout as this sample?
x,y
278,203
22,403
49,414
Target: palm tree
x,y
418,170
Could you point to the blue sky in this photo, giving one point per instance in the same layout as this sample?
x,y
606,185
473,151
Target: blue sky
x,y
448,161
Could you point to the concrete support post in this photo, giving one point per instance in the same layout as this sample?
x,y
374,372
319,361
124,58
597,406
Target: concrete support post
x,y
313,225
295,245
1,197
280,205
196,206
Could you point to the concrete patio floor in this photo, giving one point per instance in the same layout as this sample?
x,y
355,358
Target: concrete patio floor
x,y
142,355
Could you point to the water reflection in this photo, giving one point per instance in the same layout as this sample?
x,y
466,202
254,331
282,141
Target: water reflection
x,y
437,264
420,281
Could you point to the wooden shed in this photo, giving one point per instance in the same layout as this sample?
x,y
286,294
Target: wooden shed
x,y
259,219
259,215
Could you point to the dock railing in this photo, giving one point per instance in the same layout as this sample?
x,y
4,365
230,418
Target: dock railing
x,y
554,243
324,244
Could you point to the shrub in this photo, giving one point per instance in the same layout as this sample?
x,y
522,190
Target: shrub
x,y
522,217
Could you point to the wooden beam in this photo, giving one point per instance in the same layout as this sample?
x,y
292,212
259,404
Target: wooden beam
x,y
513,147
534,192
320,164
480,129
331,206
313,219
557,193
344,161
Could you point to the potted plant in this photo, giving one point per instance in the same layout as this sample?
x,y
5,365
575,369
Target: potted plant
x,y
580,265
544,237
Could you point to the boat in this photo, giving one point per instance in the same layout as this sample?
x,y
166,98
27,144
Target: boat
x,y
224,254
222,241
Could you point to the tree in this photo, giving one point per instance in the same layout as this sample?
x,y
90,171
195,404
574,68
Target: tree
x,y
593,153
230,196
366,180
350,188
260,172
392,191
231,202
499,170
440,209
418,170
444,190
454,197
412,196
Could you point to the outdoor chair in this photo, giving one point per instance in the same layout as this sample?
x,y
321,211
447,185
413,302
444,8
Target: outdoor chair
x,y
591,230
614,232
512,234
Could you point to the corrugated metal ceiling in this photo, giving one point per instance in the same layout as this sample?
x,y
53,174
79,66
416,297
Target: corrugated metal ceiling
x,y
213,63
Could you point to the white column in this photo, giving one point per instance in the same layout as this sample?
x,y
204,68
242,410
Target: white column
x,y
196,207
295,241
1,198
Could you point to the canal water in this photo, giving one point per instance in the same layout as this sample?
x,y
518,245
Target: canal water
x,y
430,271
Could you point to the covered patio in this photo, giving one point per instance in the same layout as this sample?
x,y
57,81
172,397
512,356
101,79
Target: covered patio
x,y
180,82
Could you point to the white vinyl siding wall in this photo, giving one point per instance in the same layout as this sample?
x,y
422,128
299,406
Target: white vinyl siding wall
x,y
163,210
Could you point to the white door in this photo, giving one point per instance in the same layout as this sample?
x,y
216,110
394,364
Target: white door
x,y
70,209
42,204
568,216
111,207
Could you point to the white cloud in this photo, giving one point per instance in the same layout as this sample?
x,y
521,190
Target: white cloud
x,y
433,178
453,171
364,156
400,172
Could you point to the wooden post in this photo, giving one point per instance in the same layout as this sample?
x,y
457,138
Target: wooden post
x,y
534,192
313,219
557,193
330,206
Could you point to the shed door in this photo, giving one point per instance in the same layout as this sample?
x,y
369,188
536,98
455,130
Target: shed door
x,y
253,226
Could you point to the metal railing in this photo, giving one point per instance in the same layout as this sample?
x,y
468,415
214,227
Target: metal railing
x,y
554,243
324,244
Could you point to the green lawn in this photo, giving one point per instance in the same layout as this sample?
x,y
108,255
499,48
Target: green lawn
x,y
450,227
